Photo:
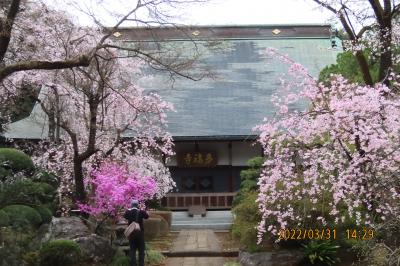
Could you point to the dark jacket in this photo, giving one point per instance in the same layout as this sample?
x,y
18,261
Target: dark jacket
x,y
130,215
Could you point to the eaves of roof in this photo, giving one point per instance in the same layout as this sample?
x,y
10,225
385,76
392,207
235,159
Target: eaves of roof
x,y
224,32
215,138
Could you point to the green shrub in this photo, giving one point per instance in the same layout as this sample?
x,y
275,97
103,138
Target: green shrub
x,y
31,258
52,206
249,179
247,217
21,215
44,176
4,173
60,252
26,192
232,263
45,213
4,219
121,261
16,160
153,257
321,252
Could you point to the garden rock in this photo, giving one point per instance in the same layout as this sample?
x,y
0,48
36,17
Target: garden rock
x,y
273,258
63,227
96,248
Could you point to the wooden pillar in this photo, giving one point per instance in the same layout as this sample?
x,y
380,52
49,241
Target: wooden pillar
x,y
230,167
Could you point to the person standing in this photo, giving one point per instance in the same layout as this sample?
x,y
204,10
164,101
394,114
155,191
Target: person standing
x,y
136,242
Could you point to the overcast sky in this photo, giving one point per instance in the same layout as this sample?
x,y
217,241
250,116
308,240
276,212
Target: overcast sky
x,y
227,12
257,12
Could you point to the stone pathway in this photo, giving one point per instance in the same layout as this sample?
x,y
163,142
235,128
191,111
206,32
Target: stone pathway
x,y
196,240
195,261
191,241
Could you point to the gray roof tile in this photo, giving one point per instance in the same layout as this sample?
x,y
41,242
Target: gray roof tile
x,y
232,103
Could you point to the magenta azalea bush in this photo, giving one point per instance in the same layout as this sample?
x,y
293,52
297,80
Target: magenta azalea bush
x,y
113,187
336,161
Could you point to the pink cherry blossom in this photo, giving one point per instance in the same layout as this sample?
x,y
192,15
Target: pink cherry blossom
x,y
338,157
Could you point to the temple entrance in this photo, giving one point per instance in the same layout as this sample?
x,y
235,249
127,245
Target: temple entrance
x,y
197,184
207,173
212,201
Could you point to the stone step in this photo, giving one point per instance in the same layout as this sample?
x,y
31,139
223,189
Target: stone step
x,y
231,253
195,261
215,220
202,220
213,226
194,253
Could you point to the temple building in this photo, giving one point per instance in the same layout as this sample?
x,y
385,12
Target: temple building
x,y
212,126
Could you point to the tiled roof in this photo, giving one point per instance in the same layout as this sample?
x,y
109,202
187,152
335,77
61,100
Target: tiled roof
x,y
239,96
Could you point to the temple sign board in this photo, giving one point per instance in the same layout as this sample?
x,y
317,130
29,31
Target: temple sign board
x,y
197,159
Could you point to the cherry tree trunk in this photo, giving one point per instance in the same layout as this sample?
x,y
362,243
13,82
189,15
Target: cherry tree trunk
x,y
80,194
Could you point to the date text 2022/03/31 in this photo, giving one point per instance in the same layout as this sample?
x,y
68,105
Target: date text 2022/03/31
x,y
326,233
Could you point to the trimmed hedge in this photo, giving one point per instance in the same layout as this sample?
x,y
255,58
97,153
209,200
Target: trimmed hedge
x,y
53,207
21,215
60,252
45,213
44,176
16,160
27,192
4,219
4,172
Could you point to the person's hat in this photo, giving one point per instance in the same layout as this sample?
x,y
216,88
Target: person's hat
x,y
134,203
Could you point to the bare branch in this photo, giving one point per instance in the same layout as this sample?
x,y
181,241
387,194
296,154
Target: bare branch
x,y
325,5
363,30
152,59
396,10
83,60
